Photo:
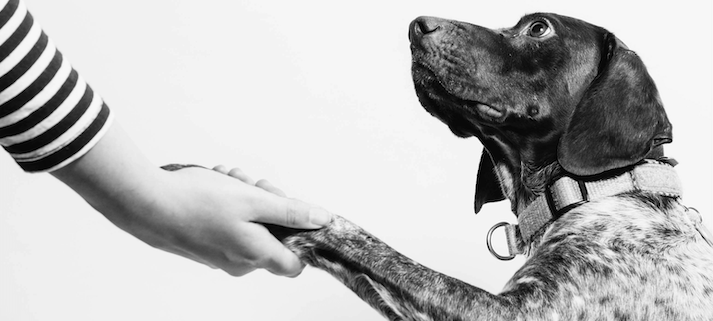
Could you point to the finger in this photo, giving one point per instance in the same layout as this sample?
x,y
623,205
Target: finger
x,y
266,185
286,264
238,271
221,169
273,209
239,174
275,257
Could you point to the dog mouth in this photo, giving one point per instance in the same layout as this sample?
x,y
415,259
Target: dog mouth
x,y
489,111
451,108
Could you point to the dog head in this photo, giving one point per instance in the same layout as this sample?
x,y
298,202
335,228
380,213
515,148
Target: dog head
x,y
548,94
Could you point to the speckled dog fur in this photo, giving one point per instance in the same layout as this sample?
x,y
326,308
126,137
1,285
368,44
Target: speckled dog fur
x,y
550,95
630,257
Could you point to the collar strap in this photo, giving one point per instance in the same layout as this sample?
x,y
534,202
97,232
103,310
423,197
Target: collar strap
x,y
567,192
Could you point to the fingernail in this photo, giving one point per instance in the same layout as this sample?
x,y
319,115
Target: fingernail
x,y
319,216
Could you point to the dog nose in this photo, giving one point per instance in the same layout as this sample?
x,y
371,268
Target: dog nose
x,y
422,26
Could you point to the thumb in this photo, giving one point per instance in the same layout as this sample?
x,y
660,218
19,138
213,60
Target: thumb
x,y
273,209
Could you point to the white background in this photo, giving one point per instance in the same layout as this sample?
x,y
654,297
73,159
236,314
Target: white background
x,y
317,97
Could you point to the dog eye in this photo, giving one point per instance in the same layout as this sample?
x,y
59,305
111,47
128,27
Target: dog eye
x,y
538,29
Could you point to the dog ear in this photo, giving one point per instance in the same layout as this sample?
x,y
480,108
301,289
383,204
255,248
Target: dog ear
x,y
487,184
620,118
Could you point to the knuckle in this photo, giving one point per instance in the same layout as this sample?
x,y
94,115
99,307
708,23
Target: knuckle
x,y
293,214
237,272
263,183
236,172
237,265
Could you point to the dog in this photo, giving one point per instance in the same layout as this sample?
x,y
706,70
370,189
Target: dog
x,y
573,131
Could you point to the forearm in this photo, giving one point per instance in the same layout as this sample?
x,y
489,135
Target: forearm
x,y
52,121
117,180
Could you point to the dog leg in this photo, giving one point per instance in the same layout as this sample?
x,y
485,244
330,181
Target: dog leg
x,y
393,284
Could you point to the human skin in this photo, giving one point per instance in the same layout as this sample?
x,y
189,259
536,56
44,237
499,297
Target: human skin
x,y
205,215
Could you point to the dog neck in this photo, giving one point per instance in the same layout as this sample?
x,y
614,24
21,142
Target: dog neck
x,y
522,183
566,192
523,180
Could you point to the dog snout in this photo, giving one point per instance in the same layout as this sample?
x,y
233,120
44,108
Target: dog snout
x,y
423,26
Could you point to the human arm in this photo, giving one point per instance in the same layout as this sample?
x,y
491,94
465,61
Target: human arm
x,y
52,121
197,213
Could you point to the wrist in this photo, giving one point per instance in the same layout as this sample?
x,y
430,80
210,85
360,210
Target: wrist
x,y
138,205
116,179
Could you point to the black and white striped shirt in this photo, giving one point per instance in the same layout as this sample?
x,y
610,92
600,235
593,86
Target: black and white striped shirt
x,y
49,116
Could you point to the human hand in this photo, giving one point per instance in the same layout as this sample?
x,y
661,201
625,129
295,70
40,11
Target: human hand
x,y
217,222
197,213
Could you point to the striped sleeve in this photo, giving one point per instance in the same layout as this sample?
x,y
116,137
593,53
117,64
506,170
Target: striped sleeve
x,y
49,116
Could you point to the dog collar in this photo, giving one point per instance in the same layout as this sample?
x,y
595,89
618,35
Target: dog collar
x,y
568,192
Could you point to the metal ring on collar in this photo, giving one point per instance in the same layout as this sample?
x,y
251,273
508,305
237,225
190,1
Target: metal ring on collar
x,y
488,241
